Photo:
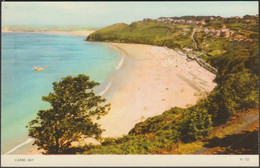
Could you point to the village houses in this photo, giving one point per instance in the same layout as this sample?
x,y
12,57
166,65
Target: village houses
x,y
177,21
224,32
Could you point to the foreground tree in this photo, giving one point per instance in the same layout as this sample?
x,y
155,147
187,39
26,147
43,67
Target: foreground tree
x,y
74,107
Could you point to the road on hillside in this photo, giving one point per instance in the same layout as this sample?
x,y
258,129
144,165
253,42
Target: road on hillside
x,y
243,138
192,37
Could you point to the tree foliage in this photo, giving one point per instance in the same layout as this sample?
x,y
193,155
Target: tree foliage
x,y
198,125
238,92
74,107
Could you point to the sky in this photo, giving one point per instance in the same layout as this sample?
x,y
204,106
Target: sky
x,y
100,14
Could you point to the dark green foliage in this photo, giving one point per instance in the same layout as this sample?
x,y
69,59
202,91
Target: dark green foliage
x,y
252,63
187,125
74,106
237,81
197,126
238,92
156,123
129,145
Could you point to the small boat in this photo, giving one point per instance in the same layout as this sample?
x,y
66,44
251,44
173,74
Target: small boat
x,y
40,69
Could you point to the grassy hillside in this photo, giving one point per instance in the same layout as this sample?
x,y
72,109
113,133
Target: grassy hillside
x,y
161,34
183,130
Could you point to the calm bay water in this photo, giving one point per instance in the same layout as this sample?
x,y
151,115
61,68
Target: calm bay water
x,y
22,87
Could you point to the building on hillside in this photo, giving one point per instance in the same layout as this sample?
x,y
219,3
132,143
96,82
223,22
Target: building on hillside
x,y
182,21
237,17
202,22
231,33
148,19
217,33
242,40
206,30
225,33
189,22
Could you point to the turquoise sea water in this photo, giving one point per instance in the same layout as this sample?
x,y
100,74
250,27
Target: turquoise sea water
x,y
22,87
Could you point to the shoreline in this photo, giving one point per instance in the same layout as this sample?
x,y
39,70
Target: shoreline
x,y
146,71
71,33
104,87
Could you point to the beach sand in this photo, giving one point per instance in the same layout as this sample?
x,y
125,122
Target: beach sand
x,y
150,80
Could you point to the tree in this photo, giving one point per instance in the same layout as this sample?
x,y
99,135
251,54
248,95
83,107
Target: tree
x,y
239,91
74,107
196,125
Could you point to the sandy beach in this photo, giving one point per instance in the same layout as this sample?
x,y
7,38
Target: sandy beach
x,y
151,80
148,81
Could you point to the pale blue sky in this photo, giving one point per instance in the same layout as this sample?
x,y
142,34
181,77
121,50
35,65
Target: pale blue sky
x,y
107,13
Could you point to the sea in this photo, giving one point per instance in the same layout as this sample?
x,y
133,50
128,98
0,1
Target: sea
x,y
22,87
